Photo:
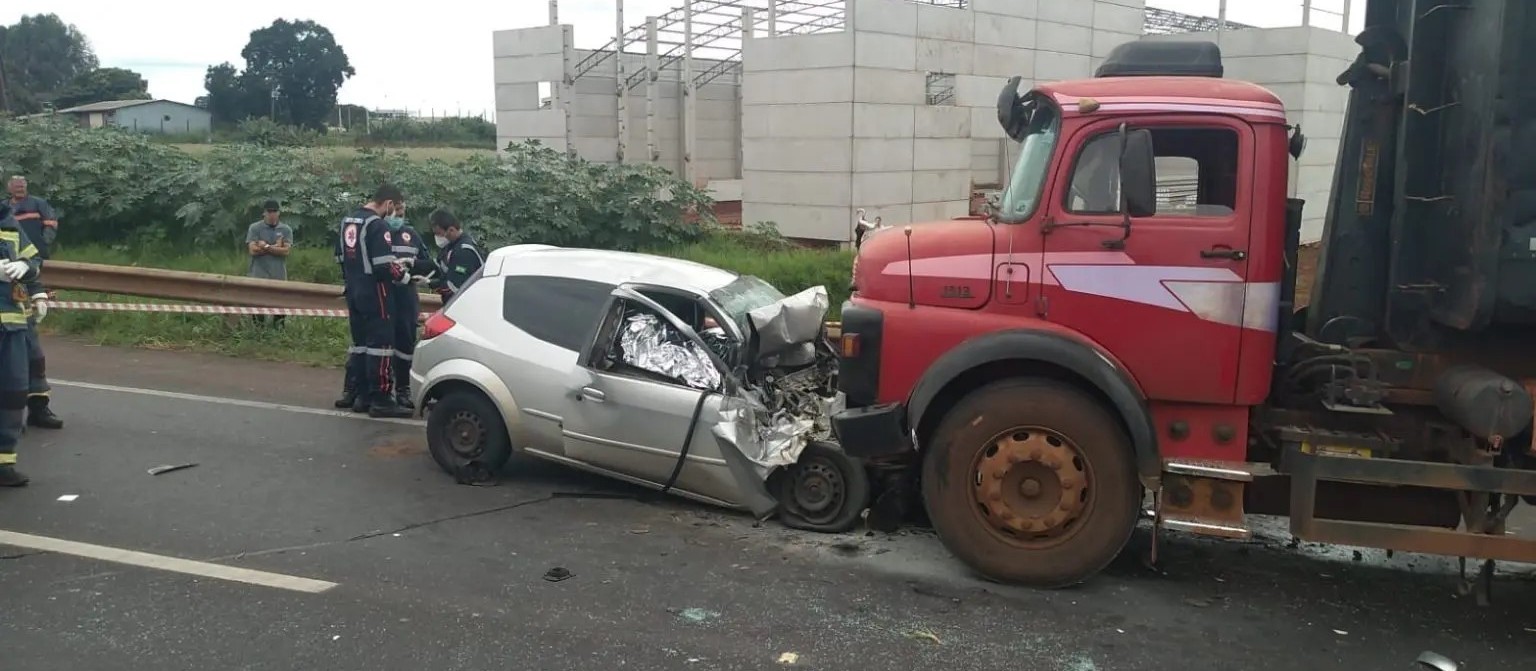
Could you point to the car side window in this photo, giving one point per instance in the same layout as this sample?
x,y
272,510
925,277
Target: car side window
x,y
637,342
1196,173
561,311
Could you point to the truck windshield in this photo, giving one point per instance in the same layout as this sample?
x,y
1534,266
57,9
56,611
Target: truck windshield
x,y
1028,179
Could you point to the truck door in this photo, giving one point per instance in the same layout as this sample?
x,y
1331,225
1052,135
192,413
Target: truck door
x,y
1167,298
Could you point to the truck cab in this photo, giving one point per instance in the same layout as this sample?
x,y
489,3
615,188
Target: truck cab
x,y
1119,340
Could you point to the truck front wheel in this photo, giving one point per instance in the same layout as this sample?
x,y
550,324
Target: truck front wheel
x,y
1031,481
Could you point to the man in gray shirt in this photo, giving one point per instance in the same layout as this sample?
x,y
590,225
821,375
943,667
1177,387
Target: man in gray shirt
x,y
269,242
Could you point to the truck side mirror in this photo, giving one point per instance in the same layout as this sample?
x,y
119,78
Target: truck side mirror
x,y
1012,114
1138,173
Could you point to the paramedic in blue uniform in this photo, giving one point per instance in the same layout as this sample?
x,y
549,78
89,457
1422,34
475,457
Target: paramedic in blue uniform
x,y
413,255
41,225
19,266
457,257
373,276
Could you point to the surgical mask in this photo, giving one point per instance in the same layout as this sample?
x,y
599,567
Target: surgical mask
x,y
395,223
441,240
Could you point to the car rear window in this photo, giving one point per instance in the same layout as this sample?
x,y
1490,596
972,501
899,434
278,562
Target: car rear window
x,y
558,310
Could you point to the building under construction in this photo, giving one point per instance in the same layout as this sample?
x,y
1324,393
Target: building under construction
x,y
810,110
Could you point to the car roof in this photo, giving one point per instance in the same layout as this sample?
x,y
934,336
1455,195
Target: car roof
x,y
609,267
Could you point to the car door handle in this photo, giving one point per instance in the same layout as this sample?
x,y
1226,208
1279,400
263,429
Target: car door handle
x,y
1224,253
593,395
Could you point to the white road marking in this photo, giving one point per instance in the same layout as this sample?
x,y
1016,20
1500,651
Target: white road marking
x,y
164,563
260,405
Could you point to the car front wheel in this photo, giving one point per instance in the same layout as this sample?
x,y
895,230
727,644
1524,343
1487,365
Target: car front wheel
x,y
466,435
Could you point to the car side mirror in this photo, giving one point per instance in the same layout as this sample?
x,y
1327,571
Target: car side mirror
x,y
1138,173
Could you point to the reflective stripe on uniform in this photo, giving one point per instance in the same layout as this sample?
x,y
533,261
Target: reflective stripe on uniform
x,y
409,250
17,318
357,350
379,351
381,260
403,356
362,243
7,458
28,252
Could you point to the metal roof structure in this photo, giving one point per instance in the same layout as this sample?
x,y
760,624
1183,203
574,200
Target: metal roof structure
x,y
713,31
110,105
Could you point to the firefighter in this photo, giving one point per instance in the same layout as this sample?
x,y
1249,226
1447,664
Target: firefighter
x,y
373,276
19,267
457,257
409,249
37,219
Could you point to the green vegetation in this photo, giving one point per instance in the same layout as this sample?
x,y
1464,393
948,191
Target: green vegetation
x,y
321,341
116,187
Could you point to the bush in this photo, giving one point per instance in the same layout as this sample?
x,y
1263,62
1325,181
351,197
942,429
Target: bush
x,y
113,186
472,132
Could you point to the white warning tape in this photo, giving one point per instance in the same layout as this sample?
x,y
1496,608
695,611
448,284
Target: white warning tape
x,y
193,309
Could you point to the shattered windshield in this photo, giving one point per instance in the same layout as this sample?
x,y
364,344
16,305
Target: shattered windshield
x,y
744,295
1028,179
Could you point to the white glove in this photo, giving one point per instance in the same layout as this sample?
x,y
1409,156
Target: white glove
x,y
420,280
40,306
16,269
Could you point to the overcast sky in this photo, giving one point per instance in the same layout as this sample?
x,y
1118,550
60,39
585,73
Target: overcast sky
x,y
426,55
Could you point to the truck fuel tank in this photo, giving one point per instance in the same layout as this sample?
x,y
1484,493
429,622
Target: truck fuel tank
x,y
1486,404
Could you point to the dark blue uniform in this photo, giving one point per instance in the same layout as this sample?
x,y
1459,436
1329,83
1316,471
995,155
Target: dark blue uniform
x,y
456,263
407,247
371,273
15,313
39,223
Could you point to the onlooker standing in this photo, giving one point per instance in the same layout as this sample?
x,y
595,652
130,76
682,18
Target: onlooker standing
x,y
36,218
269,242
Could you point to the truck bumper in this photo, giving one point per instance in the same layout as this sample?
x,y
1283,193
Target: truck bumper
x,y
873,432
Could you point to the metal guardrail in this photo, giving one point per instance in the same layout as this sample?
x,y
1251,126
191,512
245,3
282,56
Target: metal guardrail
x,y
205,288
215,289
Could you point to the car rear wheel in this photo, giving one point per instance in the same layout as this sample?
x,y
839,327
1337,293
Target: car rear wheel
x,y
1031,481
465,433
826,490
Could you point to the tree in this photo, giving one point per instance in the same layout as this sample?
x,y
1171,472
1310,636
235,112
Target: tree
x,y
41,55
293,70
103,84
227,99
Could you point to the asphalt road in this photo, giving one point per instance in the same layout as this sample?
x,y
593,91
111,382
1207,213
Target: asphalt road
x,y
434,575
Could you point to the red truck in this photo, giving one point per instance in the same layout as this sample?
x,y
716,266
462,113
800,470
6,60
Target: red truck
x,y
1120,338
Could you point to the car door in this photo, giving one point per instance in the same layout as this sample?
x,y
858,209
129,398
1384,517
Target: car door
x,y
632,420
1166,296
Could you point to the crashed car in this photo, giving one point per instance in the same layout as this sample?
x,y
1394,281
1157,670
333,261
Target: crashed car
x,y
668,374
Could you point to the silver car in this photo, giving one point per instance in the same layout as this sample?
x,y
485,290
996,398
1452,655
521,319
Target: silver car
x,y
664,373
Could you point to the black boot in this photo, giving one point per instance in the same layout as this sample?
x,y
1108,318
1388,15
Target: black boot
x,y
40,416
384,406
360,403
403,389
348,394
10,477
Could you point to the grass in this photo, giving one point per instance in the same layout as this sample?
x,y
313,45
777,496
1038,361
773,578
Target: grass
x,y
322,341
448,154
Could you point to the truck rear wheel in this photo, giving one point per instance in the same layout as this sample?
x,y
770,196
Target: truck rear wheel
x,y
1031,481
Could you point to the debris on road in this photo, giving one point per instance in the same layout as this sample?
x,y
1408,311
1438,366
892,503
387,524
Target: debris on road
x,y
558,574
67,498
1341,632
789,658
924,635
696,615
161,470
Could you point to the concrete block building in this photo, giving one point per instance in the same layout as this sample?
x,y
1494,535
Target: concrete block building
x,y
809,111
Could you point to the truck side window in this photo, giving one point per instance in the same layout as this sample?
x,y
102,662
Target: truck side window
x,y
1196,173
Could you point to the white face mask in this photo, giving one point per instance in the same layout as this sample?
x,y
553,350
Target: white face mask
x,y
442,241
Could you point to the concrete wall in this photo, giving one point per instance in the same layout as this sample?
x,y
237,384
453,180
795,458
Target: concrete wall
x,y
1300,66
583,116
836,123
595,119
162,117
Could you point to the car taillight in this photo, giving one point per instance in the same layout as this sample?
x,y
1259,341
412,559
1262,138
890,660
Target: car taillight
x,y
436,325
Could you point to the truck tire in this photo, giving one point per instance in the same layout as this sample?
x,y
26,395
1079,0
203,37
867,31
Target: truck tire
x,y
1032,481
465,433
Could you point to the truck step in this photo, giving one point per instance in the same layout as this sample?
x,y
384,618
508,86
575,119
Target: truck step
x,y
1205,497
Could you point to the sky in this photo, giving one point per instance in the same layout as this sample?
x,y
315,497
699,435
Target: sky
x,y
436,61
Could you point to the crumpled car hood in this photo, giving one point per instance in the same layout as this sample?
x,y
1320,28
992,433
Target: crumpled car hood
x,y
784,332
